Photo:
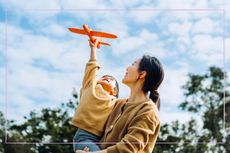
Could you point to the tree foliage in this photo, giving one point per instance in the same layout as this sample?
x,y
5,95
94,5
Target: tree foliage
x,y
204,95
45,132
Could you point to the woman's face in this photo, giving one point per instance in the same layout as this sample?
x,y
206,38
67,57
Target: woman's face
x,y
132,74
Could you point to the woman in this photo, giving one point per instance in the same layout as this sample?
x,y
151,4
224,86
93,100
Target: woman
x,y
134,124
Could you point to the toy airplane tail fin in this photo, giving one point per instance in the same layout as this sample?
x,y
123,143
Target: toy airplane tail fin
x,y
102,43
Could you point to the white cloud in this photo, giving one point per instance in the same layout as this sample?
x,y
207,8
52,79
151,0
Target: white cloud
x,y
155,48
226,9
145,42
190,4
208,49
55,30
217,4
144,15
19,105
112,22
148,36
200,4
182,117
2,89
24,47
171,92
207,26
2,67
38,11
169,4
84,4
207,43
182,30
128,44
128,3
227,49
36,4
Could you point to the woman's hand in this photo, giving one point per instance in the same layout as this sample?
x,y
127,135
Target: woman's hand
x,y
82,151
86,149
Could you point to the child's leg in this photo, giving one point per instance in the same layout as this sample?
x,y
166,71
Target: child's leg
x,y
84,139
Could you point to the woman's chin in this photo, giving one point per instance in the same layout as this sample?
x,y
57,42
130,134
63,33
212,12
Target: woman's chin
x,y
124,81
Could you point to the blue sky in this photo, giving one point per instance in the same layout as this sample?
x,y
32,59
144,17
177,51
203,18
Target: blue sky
x,y
43,61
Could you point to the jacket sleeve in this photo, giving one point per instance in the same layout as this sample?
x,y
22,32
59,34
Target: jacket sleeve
x,y
91,70
139,134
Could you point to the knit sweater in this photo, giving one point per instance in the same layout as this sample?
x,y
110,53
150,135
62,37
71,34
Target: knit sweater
x,y
132,127
95,103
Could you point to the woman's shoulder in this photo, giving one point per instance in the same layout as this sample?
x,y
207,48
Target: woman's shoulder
x,y
150,109
120,102
149,104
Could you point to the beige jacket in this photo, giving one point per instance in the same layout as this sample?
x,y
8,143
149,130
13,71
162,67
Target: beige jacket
x,y
95,104
132,127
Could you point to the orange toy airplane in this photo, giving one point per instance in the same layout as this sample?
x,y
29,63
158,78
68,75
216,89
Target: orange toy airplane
x,y
93,34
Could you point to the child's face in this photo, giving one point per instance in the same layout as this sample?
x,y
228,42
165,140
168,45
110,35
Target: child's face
x,y
108,84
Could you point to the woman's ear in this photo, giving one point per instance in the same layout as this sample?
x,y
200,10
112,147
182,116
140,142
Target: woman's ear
x,y
142,74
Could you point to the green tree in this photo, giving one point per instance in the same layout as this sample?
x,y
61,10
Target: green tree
x,y
2,132
204,95
52,125
177,137
49,130
11,137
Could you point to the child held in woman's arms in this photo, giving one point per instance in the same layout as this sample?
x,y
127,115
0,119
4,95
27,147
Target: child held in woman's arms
x,y
97,98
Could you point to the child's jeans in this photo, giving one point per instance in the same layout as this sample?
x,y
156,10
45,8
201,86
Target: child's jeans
x,y
84,139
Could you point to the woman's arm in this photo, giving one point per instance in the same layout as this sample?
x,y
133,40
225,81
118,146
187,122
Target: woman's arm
x,y
142,131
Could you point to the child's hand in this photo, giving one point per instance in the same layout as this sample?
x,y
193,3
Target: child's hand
x,y
93,45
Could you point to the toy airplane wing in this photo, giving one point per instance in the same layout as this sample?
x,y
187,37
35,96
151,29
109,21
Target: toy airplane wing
x,y
76,30
103,34
93,33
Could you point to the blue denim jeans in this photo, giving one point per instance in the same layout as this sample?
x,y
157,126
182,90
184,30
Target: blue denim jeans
x,y
84,139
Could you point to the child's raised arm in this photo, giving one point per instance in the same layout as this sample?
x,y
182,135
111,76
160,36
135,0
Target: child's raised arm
x,y
93,46
92,66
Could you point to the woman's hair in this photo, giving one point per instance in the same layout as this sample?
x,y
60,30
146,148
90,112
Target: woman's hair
x,y
154,77
116,84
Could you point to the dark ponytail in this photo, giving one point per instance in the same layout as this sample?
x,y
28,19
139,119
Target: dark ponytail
x,y
154,77
154,95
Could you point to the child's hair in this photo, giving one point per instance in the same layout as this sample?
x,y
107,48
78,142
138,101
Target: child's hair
x,y
116,83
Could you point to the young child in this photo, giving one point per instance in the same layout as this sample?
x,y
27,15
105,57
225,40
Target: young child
x,y
97,98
